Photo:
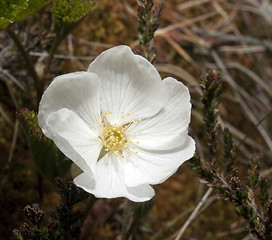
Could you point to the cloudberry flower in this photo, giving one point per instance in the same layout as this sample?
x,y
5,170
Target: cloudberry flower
x,y
120,123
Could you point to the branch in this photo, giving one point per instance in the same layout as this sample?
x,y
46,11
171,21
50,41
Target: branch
x,y
28,61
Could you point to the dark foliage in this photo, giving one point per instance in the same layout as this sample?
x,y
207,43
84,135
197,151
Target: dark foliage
x,y
65,223
148,23
224,179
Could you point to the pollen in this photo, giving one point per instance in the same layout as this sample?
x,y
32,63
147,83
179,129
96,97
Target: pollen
x,y
114,136
114,139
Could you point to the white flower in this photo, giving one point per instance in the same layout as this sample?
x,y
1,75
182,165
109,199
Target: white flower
x,y
118,122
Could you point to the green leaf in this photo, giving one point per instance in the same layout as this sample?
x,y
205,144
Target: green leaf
x,y
9,8
48,159
68,14
17,10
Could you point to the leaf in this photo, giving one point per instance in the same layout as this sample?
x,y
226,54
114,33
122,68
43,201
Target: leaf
x,y
9,8
48,159
12,11
68,14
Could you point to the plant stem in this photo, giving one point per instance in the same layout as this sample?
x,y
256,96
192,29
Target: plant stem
x,y
52,53
252,129
40,186
28,61
193,214
90,202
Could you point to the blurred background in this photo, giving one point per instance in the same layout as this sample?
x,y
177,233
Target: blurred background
x,y
194,36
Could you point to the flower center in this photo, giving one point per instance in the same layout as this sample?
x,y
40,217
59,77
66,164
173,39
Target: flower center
x,y
114,137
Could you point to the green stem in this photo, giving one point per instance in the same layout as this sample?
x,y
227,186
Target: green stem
x,y
28,61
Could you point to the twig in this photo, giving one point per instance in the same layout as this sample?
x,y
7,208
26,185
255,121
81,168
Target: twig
x,y
186,22
255,126
28,61
11,94
70,47
129,8
95,44
266,85
71,51
5,116
180,50
192,3
252,99
179,72
249,237
4,50
13,79
14,140
11,152
229,232
60,56
243,104
244,138
52,53
192,216
233,38
237,133
242,49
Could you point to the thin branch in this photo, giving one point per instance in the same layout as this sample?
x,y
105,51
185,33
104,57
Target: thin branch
x,y
253,128
14,140
5,117
233,38
64,57
28,61
192,216
243,104
11,152
52,54
12,78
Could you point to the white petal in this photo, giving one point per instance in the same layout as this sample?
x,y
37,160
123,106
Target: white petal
x,y
109,182
75,139
78,92
132,86
153,167
85,180
169,128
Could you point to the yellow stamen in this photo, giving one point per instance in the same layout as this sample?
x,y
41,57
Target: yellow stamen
x,y
114,136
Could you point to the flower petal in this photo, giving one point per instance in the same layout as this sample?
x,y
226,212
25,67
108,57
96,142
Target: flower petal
x,y
78,92
155,167
109,181
85,180
169,128
75,139
132,86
